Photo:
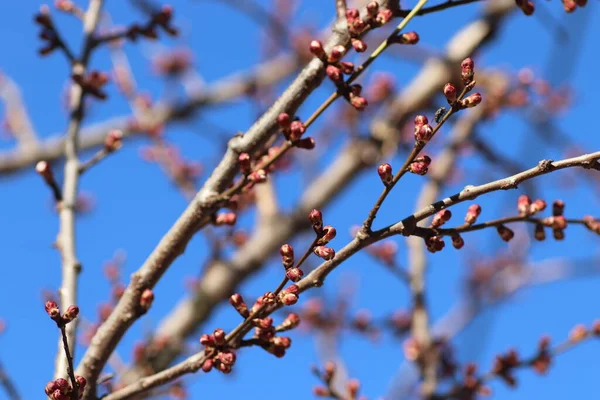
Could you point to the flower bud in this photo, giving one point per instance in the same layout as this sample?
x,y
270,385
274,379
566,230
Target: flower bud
x,y
316,48
316,219
346,67
471,101
537,206
207,340
284,121
225,219
219,336
52,309
385,173
81,382
237,301
50,388
467,72
424,133
524,204
71,313
450,93
207,366
539,232
336,54
472,213
558,207
578,333
329,233
146,299
457,241
294,274
334,73
289,299
306,143
505,233
420,165
421,120
407,38
352,14
358,102
258,176
326,253
359,46
290,322
297,129
113,141
372,8
441,218
244,163
384,16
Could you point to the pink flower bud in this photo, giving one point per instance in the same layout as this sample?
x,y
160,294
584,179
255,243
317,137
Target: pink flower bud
x,y
505,233
435,243
50,388
207,340
316,48
286,251
424,133
569,5
326,253
52,309
537,206
329,233
284,120
258,176
472,213
524,204
62,385
334,73
421,120
225,219
450,93
294,274
146,299
352,14
113,141
289,299
359,103
409,38
297,129
292,289
219,336
237,301
306,143
558,222
384,16
441,218
71,313
346,67
359,46
81,382
385,173
353,388
316,219
321,391
207,366
471,101
43,168
336,54
244,163
420,165
268,298
290,322
467,72
372,8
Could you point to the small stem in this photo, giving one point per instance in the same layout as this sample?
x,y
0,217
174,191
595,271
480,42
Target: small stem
x,y
70,369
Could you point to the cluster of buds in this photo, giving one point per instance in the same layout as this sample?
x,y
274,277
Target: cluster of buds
x,y
289,295
48,31
113,141
571,5
54,312
265,333
161,18
435,243
441,218
326,390
526,6
473,212
92,83
221,356
375,17
423,131
356,100
61,389
504,366
324,235
287,258
293,129
420,165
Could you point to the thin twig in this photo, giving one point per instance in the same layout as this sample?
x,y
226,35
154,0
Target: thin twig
x,y
9,385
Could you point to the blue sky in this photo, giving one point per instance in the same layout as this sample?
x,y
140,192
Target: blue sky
x,y
136,204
